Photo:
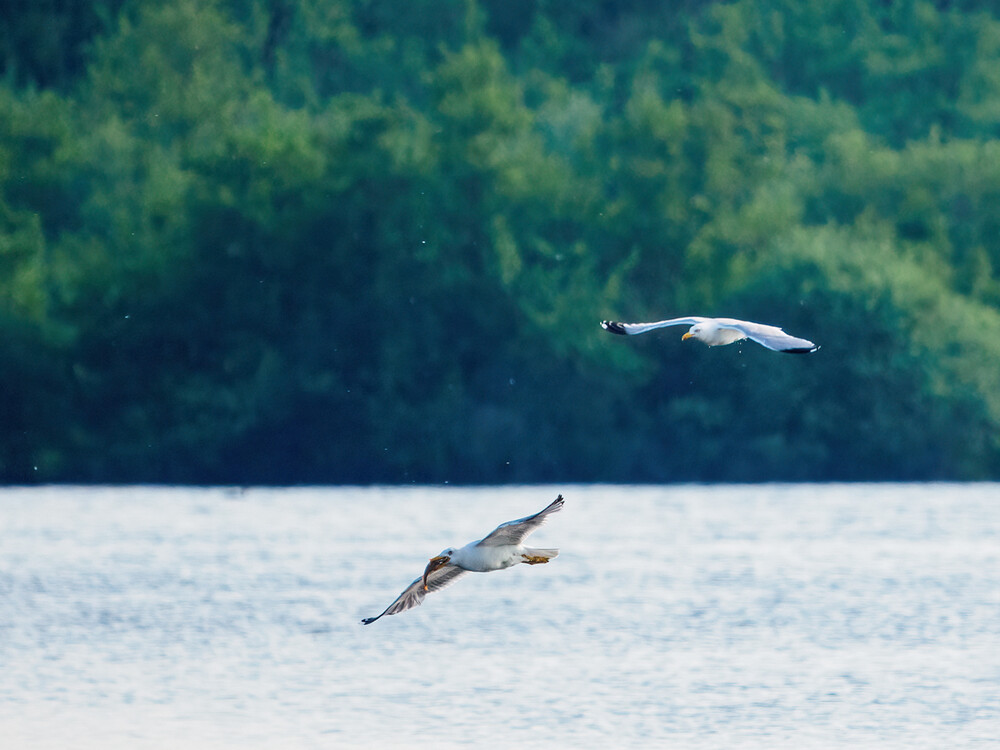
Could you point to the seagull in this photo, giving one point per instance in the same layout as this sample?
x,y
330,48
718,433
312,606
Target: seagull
x,y
499,549
721,331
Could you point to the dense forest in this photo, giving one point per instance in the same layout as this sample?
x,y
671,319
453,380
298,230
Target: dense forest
x,y
331,241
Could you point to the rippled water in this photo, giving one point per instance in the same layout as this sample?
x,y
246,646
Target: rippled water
x,y
705,617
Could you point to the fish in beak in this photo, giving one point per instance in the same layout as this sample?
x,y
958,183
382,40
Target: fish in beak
x,y
436,562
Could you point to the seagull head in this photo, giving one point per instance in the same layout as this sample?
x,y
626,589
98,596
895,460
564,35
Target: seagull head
x,y
437,562
711,333
694,332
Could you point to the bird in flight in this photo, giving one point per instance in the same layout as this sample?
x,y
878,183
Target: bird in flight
x,y
499,549
721,331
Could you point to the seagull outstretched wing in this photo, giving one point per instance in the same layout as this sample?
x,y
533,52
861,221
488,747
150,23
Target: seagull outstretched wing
x,y
415,593
514,532
770,337
633,329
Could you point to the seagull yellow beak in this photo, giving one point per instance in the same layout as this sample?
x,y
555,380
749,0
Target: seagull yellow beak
x,y
436,562
687,336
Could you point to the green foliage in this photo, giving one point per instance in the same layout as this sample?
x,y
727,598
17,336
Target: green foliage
x,y
44,42
350,241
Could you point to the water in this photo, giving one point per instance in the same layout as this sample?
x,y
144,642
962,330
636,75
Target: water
x,y
701,617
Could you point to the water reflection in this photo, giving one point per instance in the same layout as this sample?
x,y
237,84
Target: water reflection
x,y
764,616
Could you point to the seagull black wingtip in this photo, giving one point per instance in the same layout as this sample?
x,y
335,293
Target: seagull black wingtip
x,y
802,350
612,327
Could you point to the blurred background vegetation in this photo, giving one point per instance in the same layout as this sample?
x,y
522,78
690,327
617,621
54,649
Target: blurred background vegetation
x,y
325,241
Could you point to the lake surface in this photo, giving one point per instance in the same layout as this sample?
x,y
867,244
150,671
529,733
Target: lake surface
x,y
776,616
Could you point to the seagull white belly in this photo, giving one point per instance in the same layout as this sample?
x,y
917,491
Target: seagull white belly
x,y
724,336
487,558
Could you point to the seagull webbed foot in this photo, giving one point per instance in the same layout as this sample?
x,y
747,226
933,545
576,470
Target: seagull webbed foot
x,y
535,559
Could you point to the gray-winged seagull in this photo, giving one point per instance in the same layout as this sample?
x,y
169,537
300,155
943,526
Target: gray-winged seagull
x,y
721,331
500,549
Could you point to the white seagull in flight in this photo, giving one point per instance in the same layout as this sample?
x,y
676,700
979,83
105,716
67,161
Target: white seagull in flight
x,y
721,331
499,549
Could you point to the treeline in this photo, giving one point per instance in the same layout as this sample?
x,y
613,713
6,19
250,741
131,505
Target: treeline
x,y
301,241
